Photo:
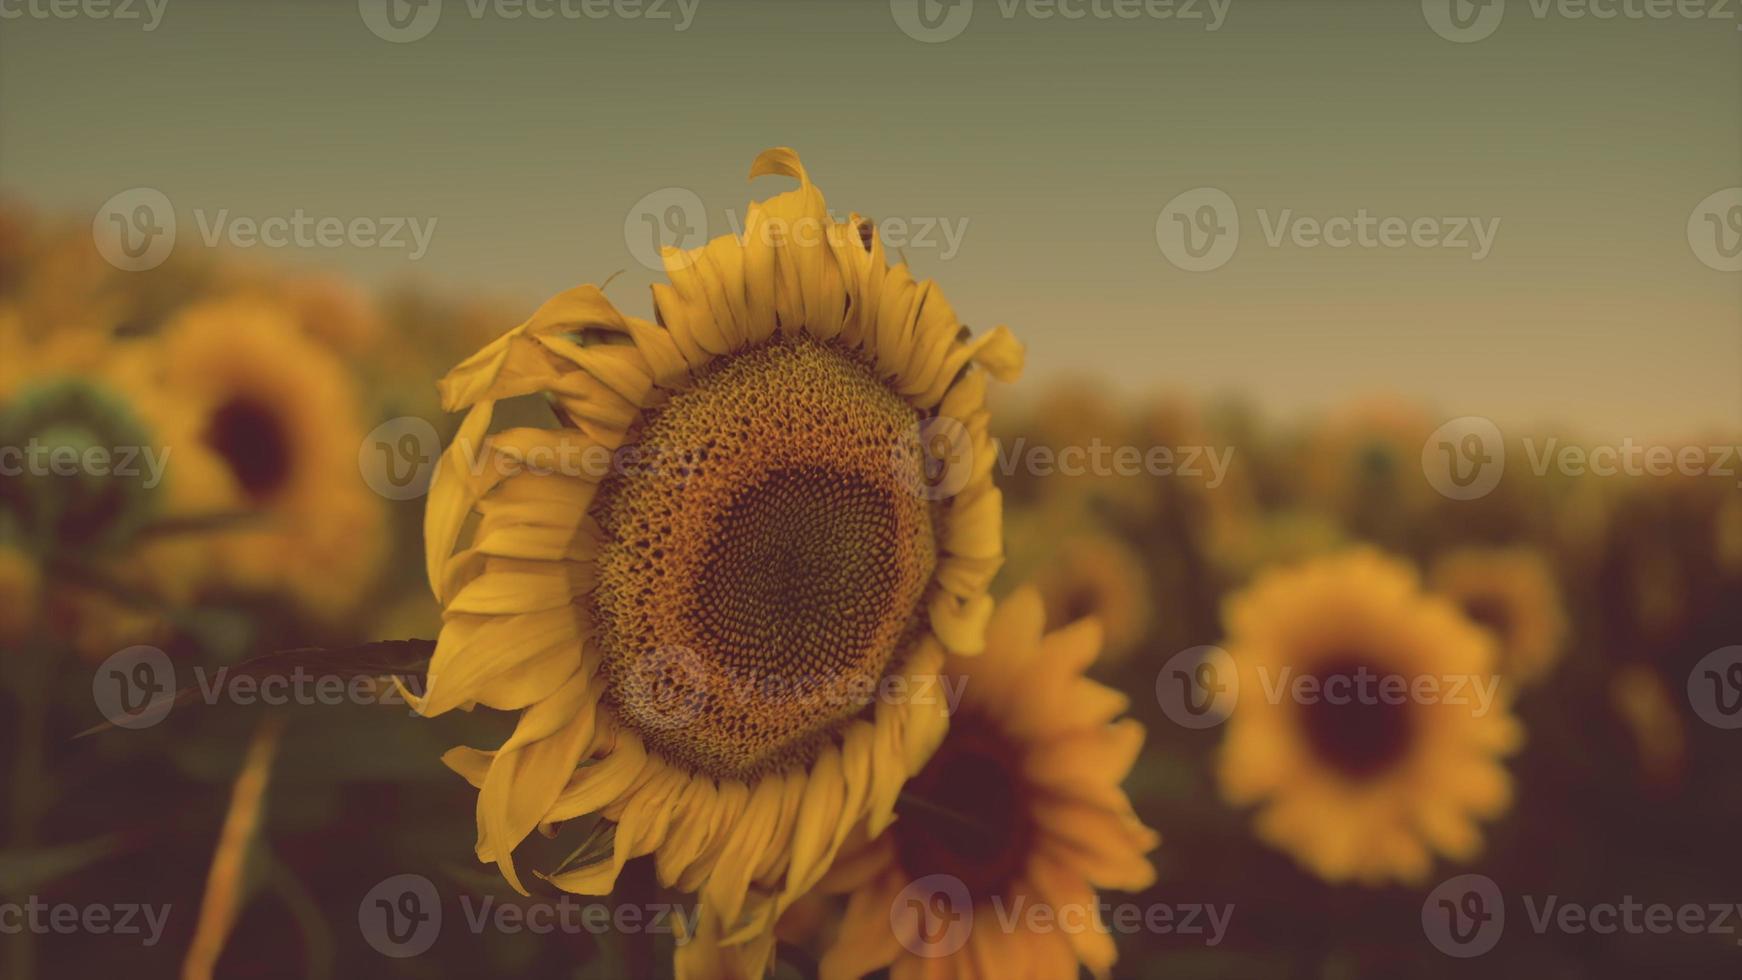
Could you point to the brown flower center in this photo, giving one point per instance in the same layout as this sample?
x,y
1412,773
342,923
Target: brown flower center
x,y
766,558
251,439
1355,724
967,812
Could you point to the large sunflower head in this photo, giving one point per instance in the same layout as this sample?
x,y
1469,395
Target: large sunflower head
x,y
1020,807
1369,725
750,518
1512,593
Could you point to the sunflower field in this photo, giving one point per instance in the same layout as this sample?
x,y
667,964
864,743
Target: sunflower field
x,y
771,615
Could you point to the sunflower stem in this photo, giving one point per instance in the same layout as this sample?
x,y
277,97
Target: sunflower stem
x,y
921,803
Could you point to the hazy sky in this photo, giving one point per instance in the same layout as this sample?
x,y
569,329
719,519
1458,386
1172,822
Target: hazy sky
x,y
1523,211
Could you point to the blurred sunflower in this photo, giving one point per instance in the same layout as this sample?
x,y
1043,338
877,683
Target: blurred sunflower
x,y
1075,423
267,423
693,630
1021,807
1098,575
20,590
1356,783
83,404
1512,593
1364,466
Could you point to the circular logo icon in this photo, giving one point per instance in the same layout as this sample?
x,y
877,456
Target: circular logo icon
x,y
135,688
1199,229
400,21
402,916
1463,21
1464,916
135,229
672,685
1198,687
671,217
936,458
933,916
1715,230
932,21
1464,458
1715,688
398,457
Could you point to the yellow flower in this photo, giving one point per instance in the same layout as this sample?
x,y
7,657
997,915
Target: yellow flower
x,y
1369,723
1512,593
1098,575
685,629
1020,808
1363,465
261,419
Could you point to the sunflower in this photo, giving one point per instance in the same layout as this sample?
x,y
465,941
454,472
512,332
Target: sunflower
x,y
1512,593
1363,464
797,508
1063,442
267,423
1098,575
1368,725
1020,808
